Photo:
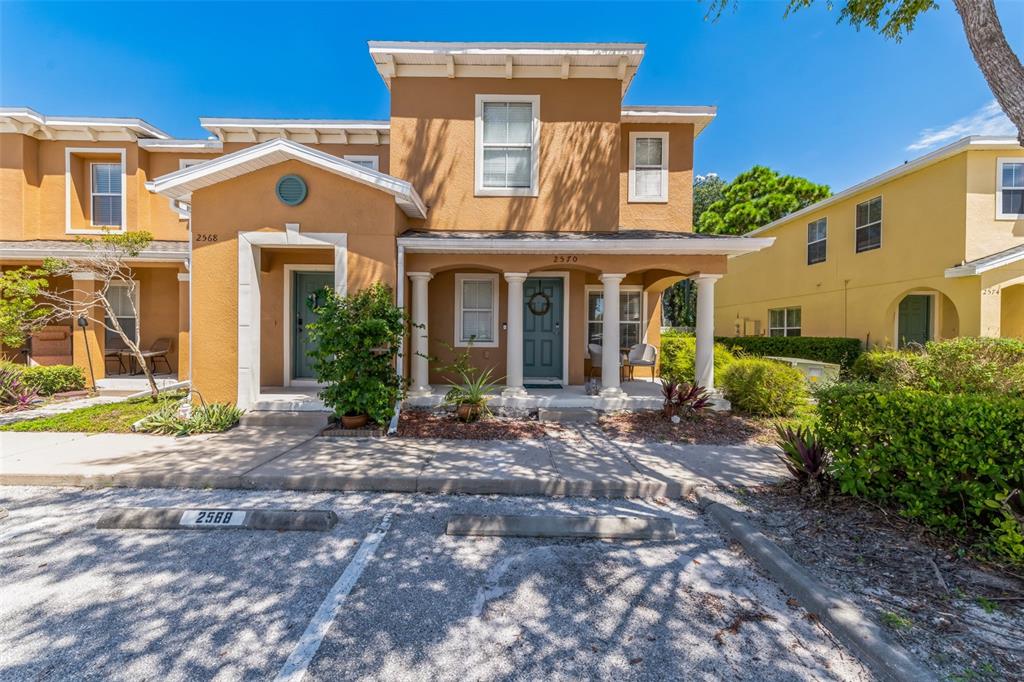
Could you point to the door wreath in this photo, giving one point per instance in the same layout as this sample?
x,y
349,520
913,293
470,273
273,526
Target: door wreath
x,y
539,303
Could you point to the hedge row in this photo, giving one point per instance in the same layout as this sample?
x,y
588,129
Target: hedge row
x,y
838,350
50,379
678,356
951,461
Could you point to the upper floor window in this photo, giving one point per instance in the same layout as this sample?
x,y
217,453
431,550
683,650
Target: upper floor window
x,y
476,310
648,167
869,225
507,142
105,192
817,237
1010,189
367,161
784,322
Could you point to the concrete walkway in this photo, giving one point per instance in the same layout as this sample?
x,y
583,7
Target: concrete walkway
x,y
585,464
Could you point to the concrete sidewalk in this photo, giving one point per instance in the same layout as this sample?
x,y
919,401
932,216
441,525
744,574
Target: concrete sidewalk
x,y
588,464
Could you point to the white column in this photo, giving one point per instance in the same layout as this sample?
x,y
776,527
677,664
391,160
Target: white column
x,y
420,368
514,336
610,354
704,363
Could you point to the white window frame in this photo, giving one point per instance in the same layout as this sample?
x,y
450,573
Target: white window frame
x,y
817,241
532,190
880,222
360,158
136,297
623,288
68,189
631,190
461,278
1000,162
785,320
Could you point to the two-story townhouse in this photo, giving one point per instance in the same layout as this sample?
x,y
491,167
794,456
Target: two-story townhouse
x,y
511,201
931,249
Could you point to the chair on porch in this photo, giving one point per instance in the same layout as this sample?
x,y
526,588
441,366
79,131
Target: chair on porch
x,y
158,351
596,355
641,355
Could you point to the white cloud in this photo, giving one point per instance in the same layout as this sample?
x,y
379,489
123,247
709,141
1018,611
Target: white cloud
x,y
988,120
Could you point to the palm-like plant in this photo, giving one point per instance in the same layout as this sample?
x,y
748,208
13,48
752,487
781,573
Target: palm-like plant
x,y
470,397
804,456
683,397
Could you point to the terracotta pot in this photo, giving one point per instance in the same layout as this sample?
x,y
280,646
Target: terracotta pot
x,y
354,422
467,412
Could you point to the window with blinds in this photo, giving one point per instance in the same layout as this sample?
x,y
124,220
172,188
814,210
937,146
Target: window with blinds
x,y
1010,195
869,225
817,238
630,317
648,167
476,307
106,194
124,302
506,150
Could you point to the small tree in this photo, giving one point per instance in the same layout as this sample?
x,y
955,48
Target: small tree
x,y
356,340
19,315
757,197
106,260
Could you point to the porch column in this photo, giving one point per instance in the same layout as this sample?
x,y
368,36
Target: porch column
x,y
183,326
514,336
87,342
420,368
610,336
704,363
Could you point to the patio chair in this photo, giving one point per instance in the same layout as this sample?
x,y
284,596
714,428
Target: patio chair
x,y
642,355
596,354
158,351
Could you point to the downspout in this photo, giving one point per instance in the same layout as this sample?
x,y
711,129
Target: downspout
x,y
188,266
400,360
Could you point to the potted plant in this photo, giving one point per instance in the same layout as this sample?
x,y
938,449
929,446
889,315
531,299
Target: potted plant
x,y
356,340
470,397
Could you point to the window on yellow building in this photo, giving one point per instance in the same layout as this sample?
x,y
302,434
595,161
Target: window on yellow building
x,y
1010,195
784,322
869,225
817,234
507,136
648,167
105,193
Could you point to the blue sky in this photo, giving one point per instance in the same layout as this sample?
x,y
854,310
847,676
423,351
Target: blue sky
x,y
803,94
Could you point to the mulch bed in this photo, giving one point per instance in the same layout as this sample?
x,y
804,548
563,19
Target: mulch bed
x,y
709,427
427,424
964,619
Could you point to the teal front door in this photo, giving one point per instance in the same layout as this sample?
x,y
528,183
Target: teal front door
x,y
543,302
915,320
307,287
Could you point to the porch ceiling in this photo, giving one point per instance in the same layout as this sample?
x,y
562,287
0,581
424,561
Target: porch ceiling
x,y
622,242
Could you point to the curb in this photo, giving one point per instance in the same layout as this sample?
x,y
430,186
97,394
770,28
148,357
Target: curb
x,y
846,621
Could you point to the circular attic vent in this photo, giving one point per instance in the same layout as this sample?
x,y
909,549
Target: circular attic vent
x,y
291,190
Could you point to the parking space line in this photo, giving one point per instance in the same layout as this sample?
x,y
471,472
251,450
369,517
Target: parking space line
x,y
294,669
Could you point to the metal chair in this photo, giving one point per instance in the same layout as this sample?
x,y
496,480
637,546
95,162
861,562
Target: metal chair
x,y
641,355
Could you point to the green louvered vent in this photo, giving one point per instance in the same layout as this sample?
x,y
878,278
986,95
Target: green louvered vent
x,y
291,190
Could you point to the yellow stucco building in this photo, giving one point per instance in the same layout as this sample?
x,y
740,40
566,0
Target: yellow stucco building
x,y
930,250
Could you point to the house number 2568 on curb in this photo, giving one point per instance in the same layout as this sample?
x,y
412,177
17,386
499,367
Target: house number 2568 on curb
x,y
212,517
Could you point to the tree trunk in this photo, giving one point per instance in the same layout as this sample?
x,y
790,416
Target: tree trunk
x,y
996,59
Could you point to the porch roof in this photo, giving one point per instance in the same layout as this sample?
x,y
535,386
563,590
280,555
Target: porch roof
x,y
625,242
180,184
157,251
986,263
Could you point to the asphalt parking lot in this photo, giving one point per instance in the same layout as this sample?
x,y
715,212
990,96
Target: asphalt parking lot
x,y
81,603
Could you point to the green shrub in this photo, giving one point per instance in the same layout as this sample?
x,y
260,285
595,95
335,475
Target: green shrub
x,y
837,350
679,353
764,387
894,367
951,461
54,378
356,340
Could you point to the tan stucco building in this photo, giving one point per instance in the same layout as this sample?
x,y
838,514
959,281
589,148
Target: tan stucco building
x,y
512,202
931,249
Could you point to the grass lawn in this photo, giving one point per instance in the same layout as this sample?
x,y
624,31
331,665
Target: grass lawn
x,y
108,418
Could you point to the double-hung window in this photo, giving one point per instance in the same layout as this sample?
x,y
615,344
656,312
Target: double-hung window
x,y
784,322
817,237
630,316
869,225
105,194
1010,189
476,310
648,167
507,141
124,300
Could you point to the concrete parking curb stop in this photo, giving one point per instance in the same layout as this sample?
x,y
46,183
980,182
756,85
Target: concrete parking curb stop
x,y
563,526
149,518
844,619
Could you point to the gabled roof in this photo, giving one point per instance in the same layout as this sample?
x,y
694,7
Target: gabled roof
x,y
507,60
180,184
971,142
315,131
990,262
699,116
86,128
